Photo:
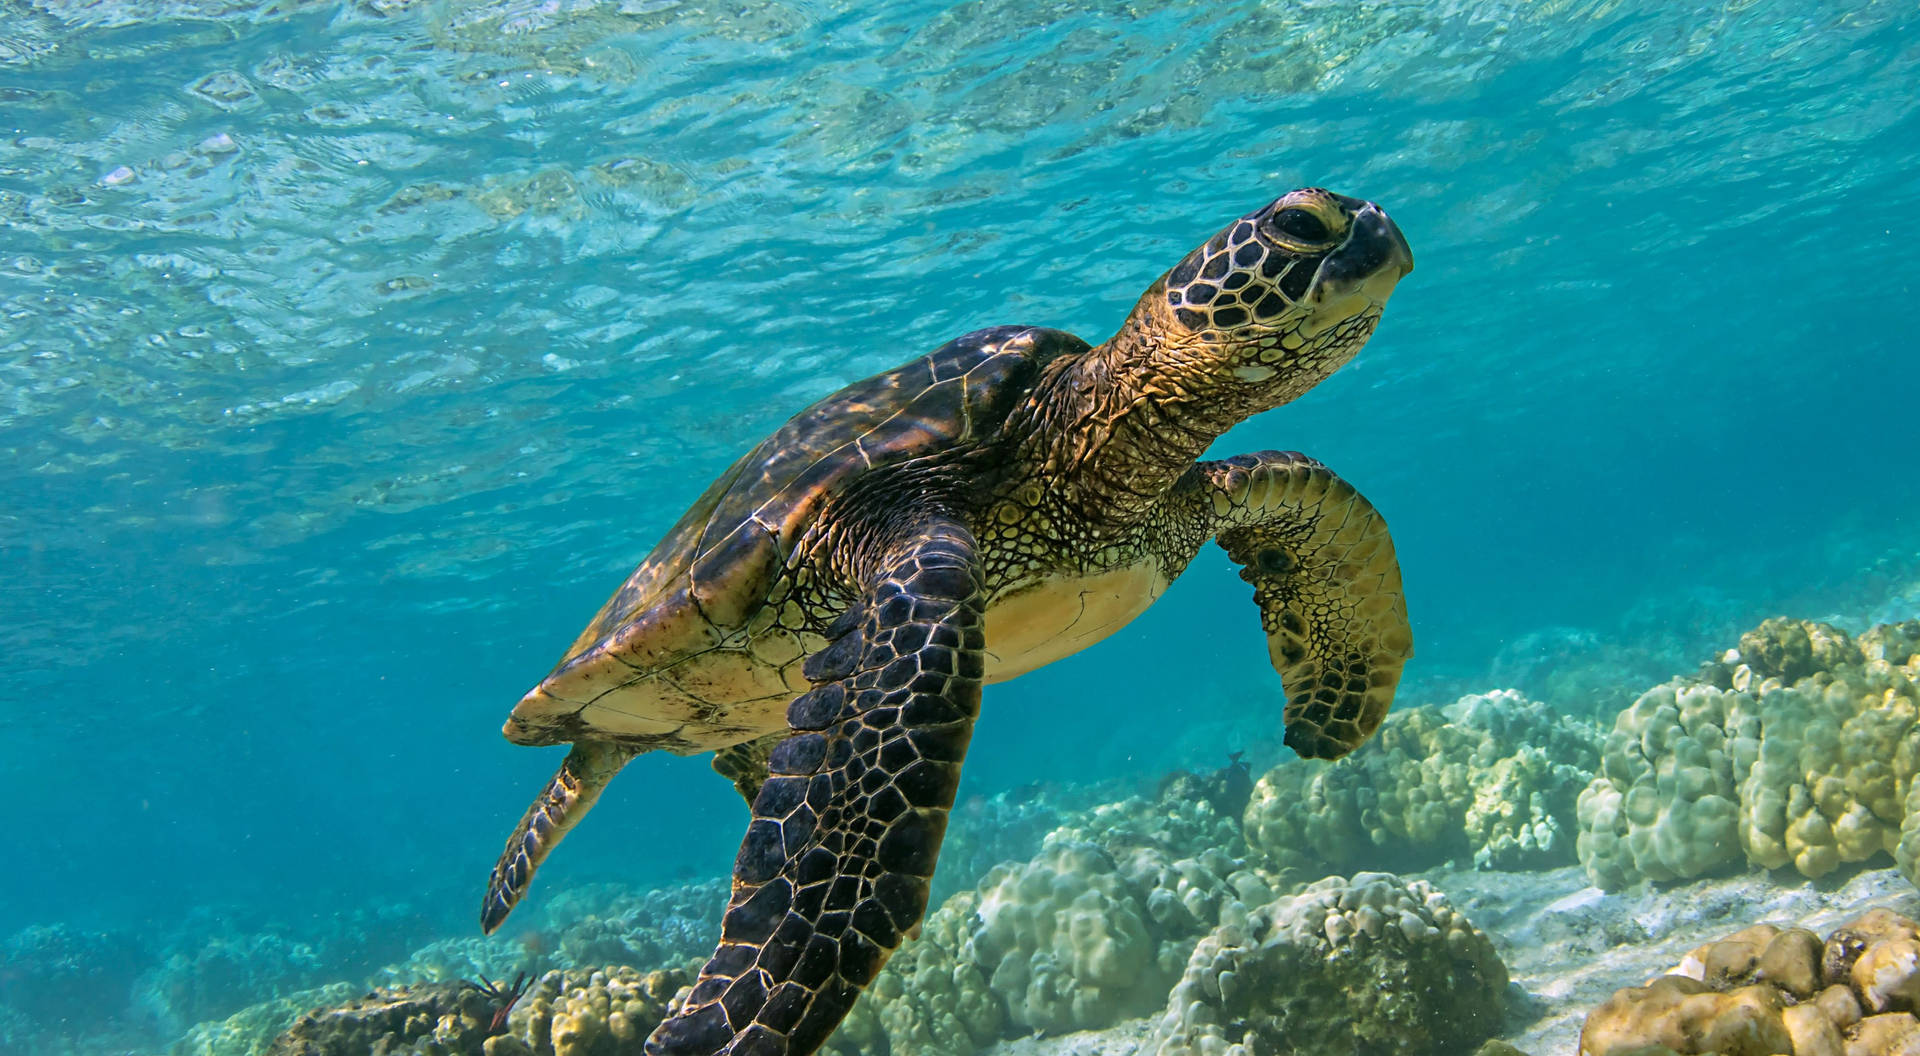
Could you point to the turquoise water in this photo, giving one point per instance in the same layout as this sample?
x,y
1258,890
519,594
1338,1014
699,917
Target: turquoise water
x,y
352,353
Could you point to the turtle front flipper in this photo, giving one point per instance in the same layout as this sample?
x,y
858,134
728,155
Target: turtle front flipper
x,y
1328,585
559,807
835,867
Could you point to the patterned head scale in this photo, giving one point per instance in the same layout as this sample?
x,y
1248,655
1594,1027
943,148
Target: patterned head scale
x,y
1294,287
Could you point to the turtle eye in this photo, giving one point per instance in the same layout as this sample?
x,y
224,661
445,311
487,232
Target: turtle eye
x,y
1301,225
1275,561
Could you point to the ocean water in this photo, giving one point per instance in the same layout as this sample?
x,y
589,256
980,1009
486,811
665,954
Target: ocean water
x,y
351,354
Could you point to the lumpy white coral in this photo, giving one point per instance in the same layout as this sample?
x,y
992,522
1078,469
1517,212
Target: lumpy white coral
x,y
1063,941
1663,805
1369,964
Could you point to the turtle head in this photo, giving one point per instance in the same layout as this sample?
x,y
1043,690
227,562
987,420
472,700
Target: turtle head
x,y
1283,297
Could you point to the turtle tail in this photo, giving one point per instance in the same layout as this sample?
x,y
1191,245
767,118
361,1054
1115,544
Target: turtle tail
x,y
557,809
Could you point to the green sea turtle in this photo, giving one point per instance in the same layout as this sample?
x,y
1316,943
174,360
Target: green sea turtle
x,y
825,615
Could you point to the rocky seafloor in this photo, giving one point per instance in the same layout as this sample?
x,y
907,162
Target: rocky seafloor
x,y
1490,872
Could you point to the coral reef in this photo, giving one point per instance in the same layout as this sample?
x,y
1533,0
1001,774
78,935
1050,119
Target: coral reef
x,y
1663,806
575,1013
251,1030
932,999
1063,940
1167,828
1766,990
1491,777
581,1013
57,971
226,973
1371,964
1103,918
436,1018
1089,931
216,965
1583,673
1796,749
451,960
984,831
1226,789
669,927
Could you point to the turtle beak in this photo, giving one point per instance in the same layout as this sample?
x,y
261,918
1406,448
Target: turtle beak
x,y
1360,275
1375,257
1383,227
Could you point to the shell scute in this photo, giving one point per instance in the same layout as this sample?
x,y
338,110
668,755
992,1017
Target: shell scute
x,y
689,604
730,581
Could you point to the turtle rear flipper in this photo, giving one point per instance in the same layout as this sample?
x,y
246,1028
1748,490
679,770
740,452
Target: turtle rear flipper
x,y
1327,582
559,807
836,863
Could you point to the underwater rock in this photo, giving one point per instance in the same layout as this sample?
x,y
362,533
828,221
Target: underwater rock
x,y
573,1013
1765,990
1809,773
1492,777
429,1017
1371,964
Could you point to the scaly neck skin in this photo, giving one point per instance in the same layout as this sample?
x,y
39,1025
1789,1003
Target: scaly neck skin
x,y
1108,432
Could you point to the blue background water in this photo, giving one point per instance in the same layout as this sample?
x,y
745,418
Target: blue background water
x,y
352,354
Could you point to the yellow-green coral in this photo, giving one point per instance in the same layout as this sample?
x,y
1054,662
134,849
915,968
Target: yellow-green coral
x,y
1826,767
932,998
1523,809
1063,940
1802,755
1492,777
593,1014
1371,964
1663,805
1675,1015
